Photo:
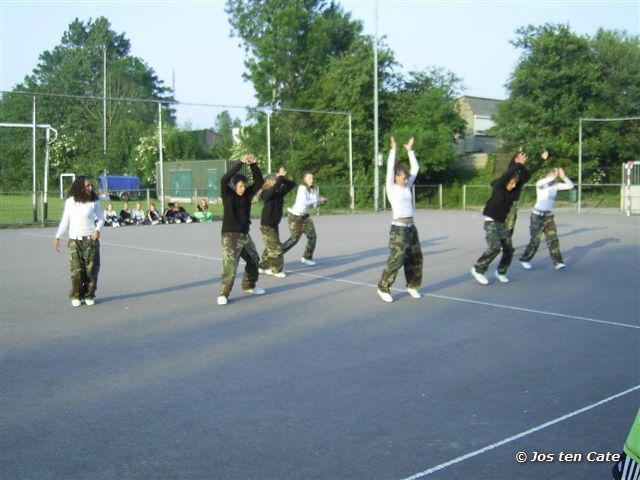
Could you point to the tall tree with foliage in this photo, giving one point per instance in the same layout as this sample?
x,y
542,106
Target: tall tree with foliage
x,y
223,127
422,106
74,69
562,77
290,45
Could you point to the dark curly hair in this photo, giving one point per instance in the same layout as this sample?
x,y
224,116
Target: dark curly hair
x,y
78,192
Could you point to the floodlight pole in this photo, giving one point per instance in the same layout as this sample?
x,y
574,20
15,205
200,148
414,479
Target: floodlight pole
x,y
351,189
268,141
45,202
33,163
160,157
104,99
376,168
580,166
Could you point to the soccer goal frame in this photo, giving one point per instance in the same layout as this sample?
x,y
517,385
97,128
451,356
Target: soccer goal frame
x,y
48,130
581,120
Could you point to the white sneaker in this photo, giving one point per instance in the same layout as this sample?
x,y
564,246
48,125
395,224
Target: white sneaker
x,y
559,266
89,302
479,277
75,302
256,291
306,261
263,271
525,265
414,293
503,278
280,274
386,297
222,300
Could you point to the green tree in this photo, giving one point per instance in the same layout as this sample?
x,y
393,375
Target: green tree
x,y
290,45
72,71
422,106
224,126
562,77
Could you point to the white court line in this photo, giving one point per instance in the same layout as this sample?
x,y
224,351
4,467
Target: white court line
x,y
519,435
476,302
154,250
352,282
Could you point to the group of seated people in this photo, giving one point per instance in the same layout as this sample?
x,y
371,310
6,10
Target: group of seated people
x,y
174,213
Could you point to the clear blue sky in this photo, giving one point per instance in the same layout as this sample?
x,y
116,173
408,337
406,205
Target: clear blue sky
x,y
469,38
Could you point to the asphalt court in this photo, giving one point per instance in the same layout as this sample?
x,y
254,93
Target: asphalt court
x,y
319,378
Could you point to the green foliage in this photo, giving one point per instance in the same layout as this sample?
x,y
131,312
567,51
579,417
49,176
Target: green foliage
x,y
311,55
562,77
423,107
306,55
74,68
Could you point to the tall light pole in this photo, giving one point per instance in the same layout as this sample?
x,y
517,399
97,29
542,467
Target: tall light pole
x,y
104,99
376,169
579,165
269,140
160,157
33,162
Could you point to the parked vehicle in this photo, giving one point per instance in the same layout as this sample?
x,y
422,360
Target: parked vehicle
x,y
119,187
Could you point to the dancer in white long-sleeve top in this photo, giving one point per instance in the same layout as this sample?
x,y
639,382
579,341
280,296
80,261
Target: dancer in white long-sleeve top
x,y
300,221
542,220
84,219
404,243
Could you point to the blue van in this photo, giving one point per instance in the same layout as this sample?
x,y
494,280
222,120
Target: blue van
x,y
119,187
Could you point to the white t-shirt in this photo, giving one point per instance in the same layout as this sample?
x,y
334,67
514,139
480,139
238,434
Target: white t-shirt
x,y
400,198
546,192
305,198
80,219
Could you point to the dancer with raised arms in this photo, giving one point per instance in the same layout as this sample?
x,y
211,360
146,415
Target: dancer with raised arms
x,y
404,243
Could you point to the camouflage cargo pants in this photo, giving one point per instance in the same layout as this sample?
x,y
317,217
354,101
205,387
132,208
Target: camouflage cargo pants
x,y
543,224
406,251
237,245
512,216
273,254
299,224
498,239
85,266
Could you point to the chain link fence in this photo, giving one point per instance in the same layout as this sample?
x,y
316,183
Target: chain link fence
x,y
17,209
594,196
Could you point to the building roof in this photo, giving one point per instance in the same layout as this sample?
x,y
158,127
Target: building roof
x,y
485,107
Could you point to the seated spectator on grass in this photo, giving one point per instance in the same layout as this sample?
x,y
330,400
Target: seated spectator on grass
x,y
153,217
138,214
203,214
169,216
111,217
177,214
126,217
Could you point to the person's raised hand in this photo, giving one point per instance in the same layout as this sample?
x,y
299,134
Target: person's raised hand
x,y
393,143
409,145
521,157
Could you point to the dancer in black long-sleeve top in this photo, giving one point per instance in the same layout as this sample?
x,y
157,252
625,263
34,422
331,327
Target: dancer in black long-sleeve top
x,y
236,242
505,192
525,175
276,186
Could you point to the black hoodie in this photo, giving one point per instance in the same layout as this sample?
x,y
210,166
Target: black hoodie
x,y
237,208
